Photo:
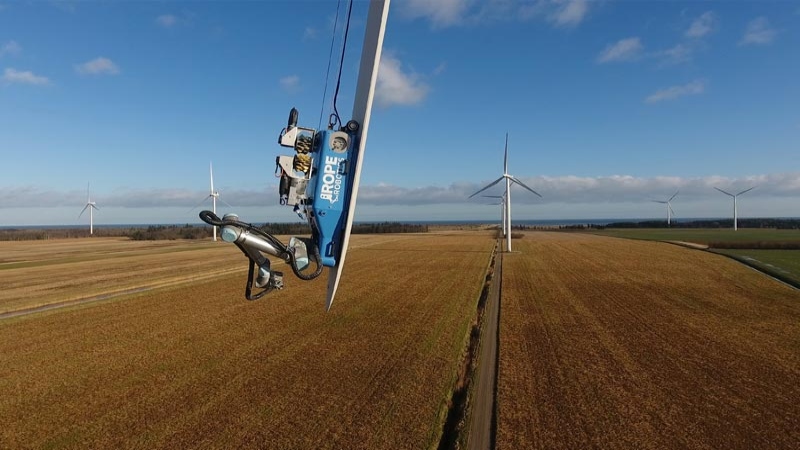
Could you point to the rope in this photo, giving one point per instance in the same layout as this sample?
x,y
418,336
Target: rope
x,y
341,65
328,70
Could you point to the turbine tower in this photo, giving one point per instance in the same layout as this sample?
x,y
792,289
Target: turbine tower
x,y
90,205
508,179
670,212
502,204
735,212
214,195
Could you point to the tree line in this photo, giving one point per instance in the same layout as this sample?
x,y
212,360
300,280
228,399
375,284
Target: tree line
x,y
780,224
187,231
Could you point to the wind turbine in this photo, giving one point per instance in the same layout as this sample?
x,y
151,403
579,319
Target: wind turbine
x,y
508,179
735,213
670,212
91,205
502,204
214,195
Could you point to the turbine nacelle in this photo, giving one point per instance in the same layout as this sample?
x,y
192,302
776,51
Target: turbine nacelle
x,y
735,196
90,205
670,211
509,179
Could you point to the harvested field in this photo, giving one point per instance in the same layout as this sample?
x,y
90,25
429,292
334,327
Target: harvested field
x,y
608,343
197,366
37,273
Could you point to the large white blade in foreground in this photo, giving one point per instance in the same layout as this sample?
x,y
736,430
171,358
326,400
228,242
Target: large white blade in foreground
x,y
362,108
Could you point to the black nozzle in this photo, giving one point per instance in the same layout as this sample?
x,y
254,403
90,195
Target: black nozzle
x,y
351,126
293,116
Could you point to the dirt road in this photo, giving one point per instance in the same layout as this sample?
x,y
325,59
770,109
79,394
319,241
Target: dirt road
x,y
483,424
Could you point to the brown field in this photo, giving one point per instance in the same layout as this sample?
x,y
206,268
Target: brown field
x,y
194,365
37,273
608,343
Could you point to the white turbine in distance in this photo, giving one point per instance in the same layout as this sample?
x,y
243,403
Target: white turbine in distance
x,y
509,179
502,204
90,205
670,212
214,195
735,212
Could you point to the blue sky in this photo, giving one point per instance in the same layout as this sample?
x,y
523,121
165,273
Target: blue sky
x,y
608,105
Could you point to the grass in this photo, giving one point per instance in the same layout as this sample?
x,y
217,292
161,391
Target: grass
x,y
704,236
200,367
783,264
609,343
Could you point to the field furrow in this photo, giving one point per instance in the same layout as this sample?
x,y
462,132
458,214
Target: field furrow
x,y
197,366
607,343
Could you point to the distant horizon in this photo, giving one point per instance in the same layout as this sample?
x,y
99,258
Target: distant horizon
x,y
602,221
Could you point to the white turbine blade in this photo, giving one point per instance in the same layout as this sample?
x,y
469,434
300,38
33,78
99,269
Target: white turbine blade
x,y
84,209
673,195
658,201
724,192
487,186
87,192
201,202
492,196
223,201
505,158
211,172
746,190
515,180
95,207
377,16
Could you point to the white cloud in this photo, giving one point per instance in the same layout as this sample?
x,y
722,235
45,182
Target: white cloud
x,y
673,92
290,83
441,13
440,68
97,66
574,189
569,12
10,48
758,31
13,76
166,20
65,6
396,87
445,13
622,50
309,33
678,54
565,197
702,26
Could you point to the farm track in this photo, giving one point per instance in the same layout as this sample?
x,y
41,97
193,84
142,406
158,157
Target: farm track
x,y
482,412
200,367
631,344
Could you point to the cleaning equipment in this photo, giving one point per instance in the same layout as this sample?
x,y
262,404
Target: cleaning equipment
x,y
320,182
317,182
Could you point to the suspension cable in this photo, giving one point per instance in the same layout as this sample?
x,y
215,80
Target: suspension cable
x,y
330,59
341,65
